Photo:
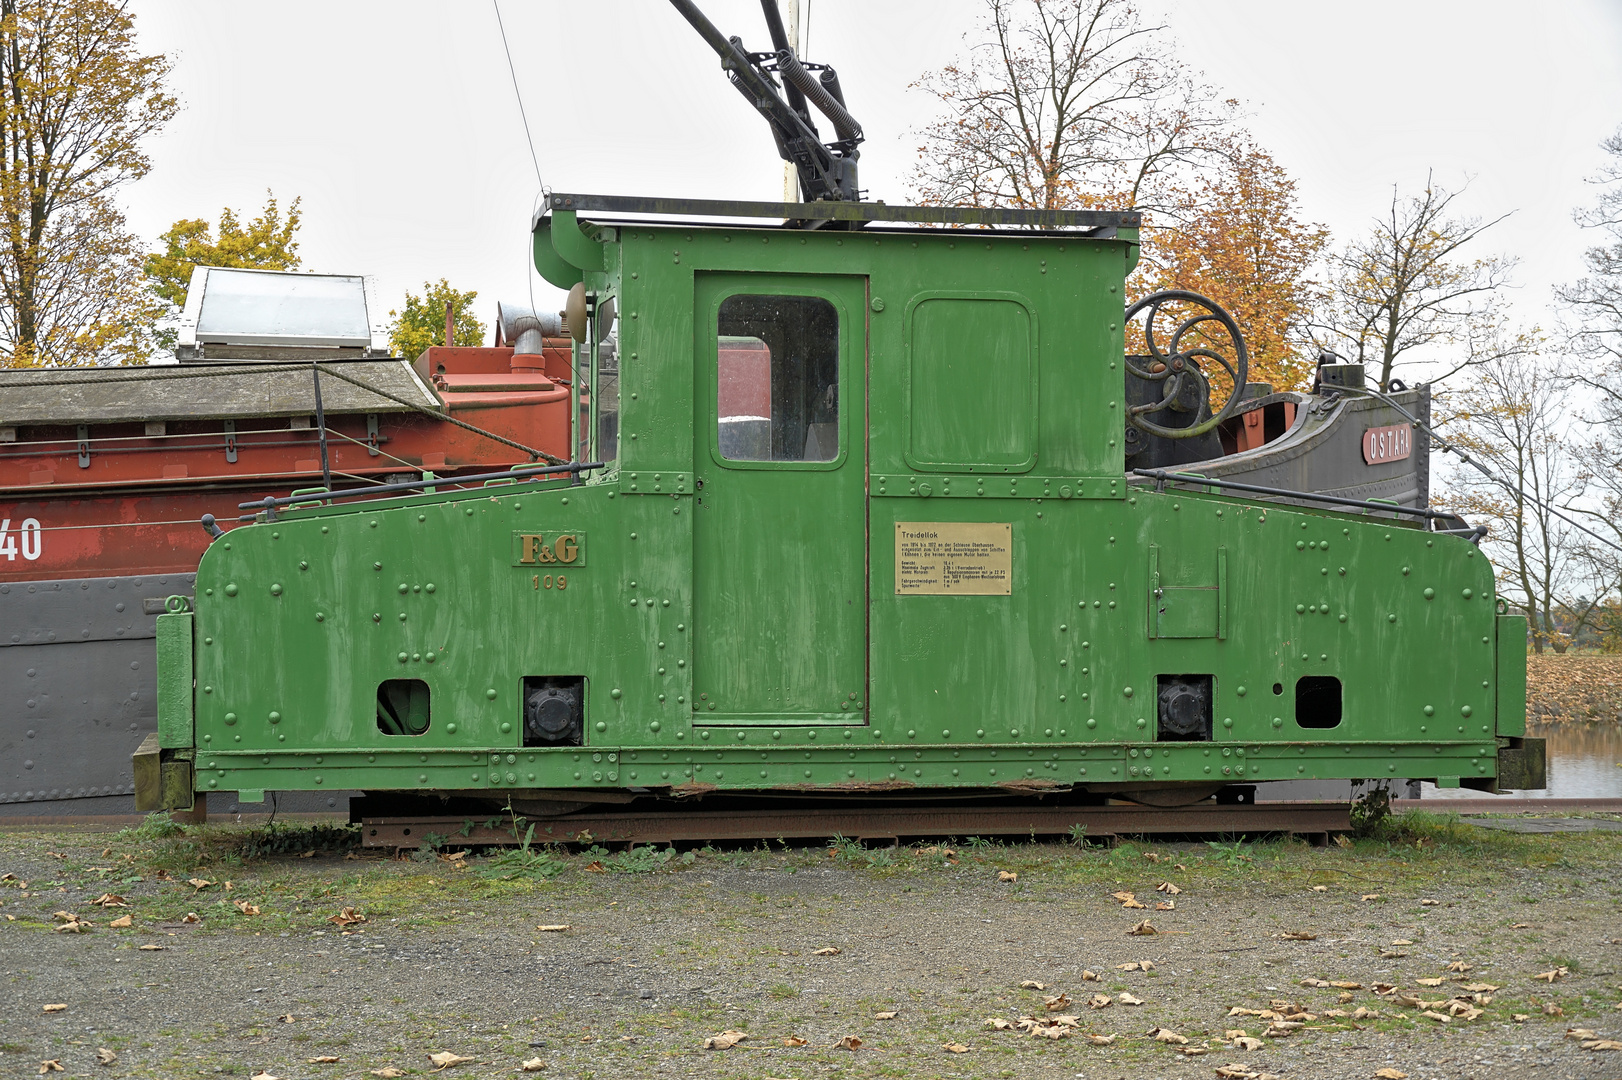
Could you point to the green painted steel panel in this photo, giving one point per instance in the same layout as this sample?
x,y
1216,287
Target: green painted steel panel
x,y
1511,638
175,728
779,553
971,382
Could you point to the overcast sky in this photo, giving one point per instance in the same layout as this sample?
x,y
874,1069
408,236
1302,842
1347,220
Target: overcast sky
x,y
396,121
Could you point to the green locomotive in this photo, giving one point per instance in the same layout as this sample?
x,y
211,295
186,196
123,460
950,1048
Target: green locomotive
x,y
850,512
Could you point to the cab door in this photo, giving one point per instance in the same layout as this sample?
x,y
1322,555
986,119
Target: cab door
x,y
780,533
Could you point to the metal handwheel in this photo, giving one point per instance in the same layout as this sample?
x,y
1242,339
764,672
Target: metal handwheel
x,y
1175,364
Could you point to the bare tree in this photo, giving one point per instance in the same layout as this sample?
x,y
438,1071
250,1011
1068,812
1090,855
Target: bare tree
x,y
76,102
1063,104
1512,418
1405,288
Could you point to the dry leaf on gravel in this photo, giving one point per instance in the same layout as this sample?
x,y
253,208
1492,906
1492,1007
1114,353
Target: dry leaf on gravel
x,y
262,1075
108,899
1459,966
891,1015
792,1041
1440,1018
1364,1013
1346,984
1299,935
1551,976
1400,942
1390,1074
1430,982
1166,1035
324,1059
199,884
1165,905
123,922
1520,1018
388,1072
1321,984
1237,1072
1007,875
553,928
1246,1042
1050,1031
1056,1002
445,1059
54,1008
191,917
850,1042
1142,929
997,1023
50,1066
1430,903
1602,1044
1551,1009
105,1056
1088,975
1366,897
245,907
725,1041
1128,999
1032,984
955,1048
1100,1040
1345,997
532,1065
288,1018
153,948
1320,888
1100,1001
1480,987
830,951
1136,965
1168,888
347,917
74,925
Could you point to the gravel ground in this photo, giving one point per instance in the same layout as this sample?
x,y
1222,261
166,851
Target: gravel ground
x,y
662,951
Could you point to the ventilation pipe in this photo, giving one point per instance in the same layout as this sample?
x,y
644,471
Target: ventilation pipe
x,y
520,327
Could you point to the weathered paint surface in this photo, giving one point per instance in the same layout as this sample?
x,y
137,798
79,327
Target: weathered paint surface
x,y
738,624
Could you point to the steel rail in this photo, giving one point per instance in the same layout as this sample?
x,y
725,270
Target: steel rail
x,y
884,822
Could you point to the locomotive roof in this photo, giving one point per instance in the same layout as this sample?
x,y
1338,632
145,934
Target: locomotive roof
x,y
1100,224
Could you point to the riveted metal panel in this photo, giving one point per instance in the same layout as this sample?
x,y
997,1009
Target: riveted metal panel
x,y
175,694
85,609
1511,675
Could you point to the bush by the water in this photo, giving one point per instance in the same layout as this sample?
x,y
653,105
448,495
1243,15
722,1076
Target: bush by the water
x,y
1581,688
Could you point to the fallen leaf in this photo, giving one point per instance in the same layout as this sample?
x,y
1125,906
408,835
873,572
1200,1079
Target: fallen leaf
x,y
287,1018
955,1048
1165,905
1280,1029
1237,1072
108,899
1364,1013
793,1040
1320,888
1345,997
1400,942
1520,1018
1100,1040
1032,984
1246,1042
1440,1018
105,1056
1100,1001
1459,966
1152,856
191,917
1551,976
153,948
725,1041
245,907
1520,926
1166,1035
1321,984
830,951
50,1066
891,1015
262,1075
1346,984
199,884
1480,987
553,928
123,922
1299,935
1430,982
532,1065
388,1072
1551,1009
54,1008
850,1042
1050,1031
1007,875
1342,841
1602,1044
350,917
445,1058
1128,999
1390,1074
1089,975
1057,1002
1193,1051
324,1059
1067,1020
1142,929
1366,897
997,1023
1430,903
1579,1033
1168,888
1383,988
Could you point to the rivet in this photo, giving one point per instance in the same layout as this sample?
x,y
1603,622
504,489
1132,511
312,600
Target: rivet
x,y
490,693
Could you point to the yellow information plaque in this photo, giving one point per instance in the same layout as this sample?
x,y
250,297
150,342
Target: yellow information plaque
x,y
954,558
